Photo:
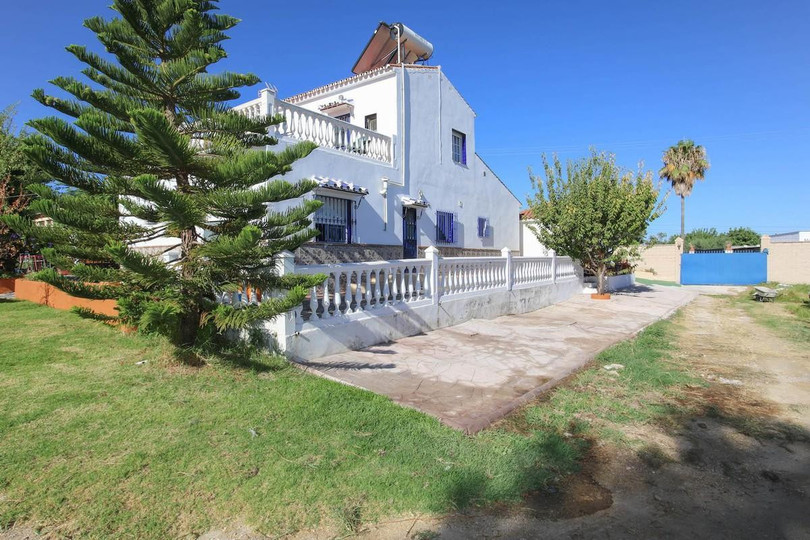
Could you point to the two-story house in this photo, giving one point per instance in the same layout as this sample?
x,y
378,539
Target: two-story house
x,y
396,162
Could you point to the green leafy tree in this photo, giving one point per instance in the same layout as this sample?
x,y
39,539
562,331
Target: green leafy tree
x,y
16,172
594,211
151,149
659,238
743,236
684,164
707,238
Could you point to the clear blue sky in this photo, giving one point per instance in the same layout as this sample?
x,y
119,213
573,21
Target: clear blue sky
x,y
631,77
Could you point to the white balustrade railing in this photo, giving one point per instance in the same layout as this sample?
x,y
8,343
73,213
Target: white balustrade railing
x,y
323,130
350,288
565,268
328,132
252,109
530,270
458,275
369,286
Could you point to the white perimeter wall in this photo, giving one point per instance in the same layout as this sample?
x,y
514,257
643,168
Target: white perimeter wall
x,y
530,246
390,323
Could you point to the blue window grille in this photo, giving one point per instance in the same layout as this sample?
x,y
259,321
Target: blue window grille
x,y
445,228
459,148
483,227
333,220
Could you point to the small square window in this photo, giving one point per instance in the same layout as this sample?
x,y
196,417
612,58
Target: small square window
x,y
459,148
371,122
445,227
483,228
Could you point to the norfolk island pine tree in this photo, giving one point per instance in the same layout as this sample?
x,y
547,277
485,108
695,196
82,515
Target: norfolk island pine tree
x,y
149,148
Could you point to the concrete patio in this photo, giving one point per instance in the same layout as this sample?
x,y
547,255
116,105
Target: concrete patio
x,y
475,373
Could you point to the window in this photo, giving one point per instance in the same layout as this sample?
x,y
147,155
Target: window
x,y
333,220
444,227
483,227
345,117
371,122
459,148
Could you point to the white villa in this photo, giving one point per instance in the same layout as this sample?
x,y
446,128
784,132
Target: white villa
x,y
396,160
415,232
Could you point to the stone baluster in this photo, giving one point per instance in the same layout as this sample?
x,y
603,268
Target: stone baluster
x,y
386,288
338,296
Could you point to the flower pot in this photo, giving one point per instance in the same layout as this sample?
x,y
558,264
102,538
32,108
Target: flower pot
x,y
597,296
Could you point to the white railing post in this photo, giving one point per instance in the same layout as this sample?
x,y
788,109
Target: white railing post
x,y
553,266
268,97
432,254
510,278
283,326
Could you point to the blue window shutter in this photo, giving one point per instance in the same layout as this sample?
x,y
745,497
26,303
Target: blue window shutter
x,y
464,149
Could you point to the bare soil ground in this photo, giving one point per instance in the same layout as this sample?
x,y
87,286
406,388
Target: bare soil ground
x,y
739,470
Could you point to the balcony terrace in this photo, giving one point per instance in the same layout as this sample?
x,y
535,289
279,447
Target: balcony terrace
x,y
327,132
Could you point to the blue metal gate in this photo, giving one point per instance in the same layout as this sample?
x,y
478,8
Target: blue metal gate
x,y
724,268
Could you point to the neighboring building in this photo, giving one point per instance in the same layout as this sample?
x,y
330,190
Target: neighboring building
x,y
796,236
530,246
42,221
396,161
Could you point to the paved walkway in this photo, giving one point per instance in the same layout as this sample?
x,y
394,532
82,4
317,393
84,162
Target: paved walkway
x,y
472,374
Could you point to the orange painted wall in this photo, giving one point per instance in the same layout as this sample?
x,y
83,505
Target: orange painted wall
x,y
6,285
47,295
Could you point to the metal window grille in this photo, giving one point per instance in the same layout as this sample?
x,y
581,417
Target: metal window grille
x,y
333,219
445,222
459,147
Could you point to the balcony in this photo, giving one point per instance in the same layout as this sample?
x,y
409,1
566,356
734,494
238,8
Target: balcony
x,y
327,132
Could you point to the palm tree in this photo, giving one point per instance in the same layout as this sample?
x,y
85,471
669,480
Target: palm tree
x,y
683,164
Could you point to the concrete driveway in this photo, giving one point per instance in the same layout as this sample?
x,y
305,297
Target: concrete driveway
x,y
472,374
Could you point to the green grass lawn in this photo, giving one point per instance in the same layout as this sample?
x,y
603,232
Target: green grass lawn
x,y
644,281
794,299
96,443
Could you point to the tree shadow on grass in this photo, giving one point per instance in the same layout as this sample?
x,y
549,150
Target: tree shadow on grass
x,y
248,353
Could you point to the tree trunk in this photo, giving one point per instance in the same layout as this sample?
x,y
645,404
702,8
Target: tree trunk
x,y
190,320
683,205
601,279
189,324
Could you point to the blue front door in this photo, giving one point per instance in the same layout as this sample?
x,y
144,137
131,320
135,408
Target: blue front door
x,y
408,233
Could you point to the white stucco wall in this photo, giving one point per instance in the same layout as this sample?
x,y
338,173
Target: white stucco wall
x,y
530,246
377,95
390,323
423,162
798,236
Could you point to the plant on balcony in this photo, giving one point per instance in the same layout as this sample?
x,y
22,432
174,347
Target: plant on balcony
x,y
148,148
593,211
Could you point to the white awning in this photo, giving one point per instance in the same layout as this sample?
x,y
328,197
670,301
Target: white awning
x,y
336,188
410,202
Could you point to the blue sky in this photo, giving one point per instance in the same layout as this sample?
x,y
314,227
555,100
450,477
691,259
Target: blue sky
x,y
631,77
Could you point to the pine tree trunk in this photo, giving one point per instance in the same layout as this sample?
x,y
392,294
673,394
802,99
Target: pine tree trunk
x,y
190,320
683,205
